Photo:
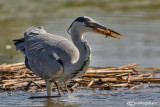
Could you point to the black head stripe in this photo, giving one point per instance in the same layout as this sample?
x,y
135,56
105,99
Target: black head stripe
x,y
69,28
79,19
82,19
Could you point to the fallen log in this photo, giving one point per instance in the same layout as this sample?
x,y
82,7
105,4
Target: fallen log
x,y
133,79
108,71
151,79
120,75
19,85
127,66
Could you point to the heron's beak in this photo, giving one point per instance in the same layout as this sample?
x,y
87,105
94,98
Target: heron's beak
x,y
106,31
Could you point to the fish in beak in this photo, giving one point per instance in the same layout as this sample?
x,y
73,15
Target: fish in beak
x,y
103,30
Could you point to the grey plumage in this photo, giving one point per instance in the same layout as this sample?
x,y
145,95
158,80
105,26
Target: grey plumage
x,y
54,58
40,50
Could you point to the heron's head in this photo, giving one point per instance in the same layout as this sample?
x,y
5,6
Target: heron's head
x,y
86,24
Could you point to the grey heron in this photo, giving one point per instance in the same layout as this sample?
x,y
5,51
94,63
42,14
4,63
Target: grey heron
x,y
56,59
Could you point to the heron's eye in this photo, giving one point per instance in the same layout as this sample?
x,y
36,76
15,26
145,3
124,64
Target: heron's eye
x,y
86,22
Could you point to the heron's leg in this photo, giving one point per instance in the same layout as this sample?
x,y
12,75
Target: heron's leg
x,y
49,85
66,87
59,88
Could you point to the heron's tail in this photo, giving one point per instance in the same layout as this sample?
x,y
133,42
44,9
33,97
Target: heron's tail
x,y
19,43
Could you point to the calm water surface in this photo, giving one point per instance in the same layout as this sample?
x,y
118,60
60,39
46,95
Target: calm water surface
x,y
91,98
139,43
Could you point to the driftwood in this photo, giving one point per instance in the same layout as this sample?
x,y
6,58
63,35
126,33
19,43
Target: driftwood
x,y
127,66
18,77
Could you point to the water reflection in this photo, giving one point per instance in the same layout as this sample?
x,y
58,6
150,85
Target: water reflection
x,y
23,100
51,103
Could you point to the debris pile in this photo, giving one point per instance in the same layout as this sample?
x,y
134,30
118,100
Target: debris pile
x,y
18,77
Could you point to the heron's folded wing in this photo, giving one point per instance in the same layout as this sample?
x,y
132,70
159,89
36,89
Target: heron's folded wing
x,y
46,66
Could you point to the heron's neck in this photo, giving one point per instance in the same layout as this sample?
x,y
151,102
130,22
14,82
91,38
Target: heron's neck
x,y
83,47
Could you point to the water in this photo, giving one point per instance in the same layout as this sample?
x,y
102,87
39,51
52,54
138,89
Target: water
x,y
89,98
139,43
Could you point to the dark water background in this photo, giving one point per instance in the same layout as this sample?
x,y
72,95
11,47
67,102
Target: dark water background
x,y
138,21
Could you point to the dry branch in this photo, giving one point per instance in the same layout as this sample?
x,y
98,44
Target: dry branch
x,y
90,83
127,66
107,71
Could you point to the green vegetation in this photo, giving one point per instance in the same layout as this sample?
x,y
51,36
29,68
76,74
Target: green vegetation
x,y
59,8
116,5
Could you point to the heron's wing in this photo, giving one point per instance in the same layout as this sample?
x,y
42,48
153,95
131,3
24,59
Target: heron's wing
x,y
48,54
35,40
31,31
45,65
